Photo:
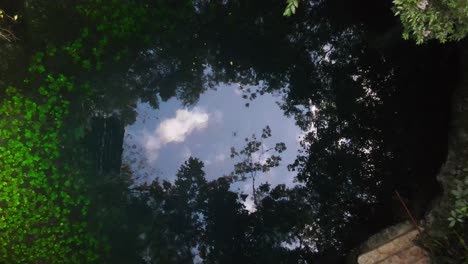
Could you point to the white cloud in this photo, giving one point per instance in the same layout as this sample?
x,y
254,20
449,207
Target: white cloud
x,y
186,153
214,163
237,91
220,157
175,129
249,204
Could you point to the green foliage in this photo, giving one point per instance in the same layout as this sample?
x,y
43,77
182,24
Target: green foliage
x,y
176,211
108,31
109,22
40,202
291,6
460,212
186,44
447,246
444,20
43,207
207,215
116,19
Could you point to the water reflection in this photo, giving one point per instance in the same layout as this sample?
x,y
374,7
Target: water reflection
x,y
367,113
161,139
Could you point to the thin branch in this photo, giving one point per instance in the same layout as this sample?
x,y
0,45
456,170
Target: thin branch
x,y
408,212
411,216
7,35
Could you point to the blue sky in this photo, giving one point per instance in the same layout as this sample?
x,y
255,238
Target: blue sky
x,y
162,139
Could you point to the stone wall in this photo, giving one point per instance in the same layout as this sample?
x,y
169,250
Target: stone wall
x,y
394,245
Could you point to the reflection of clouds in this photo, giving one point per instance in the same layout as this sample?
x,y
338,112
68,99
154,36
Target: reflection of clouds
x,y
237,91
143,140
186,153
248,203
175,130
220,157
223,121
215,164
259,157
133,158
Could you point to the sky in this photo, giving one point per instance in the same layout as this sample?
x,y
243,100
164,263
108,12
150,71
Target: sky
x,y
161,139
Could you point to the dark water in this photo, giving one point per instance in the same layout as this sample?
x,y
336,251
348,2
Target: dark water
x,y
361,112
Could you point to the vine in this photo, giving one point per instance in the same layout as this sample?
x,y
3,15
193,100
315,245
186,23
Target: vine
x,y
39,200
43,203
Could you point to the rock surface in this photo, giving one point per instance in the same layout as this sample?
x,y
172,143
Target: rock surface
x,y
398,247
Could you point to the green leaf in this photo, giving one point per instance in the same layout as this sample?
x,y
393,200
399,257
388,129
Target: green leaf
x,y
452,224
40,68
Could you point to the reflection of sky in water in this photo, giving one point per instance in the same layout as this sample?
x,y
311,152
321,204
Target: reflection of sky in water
x,y
161,140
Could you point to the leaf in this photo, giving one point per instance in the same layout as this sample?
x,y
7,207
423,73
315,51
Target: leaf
x,y
293,9
452,224
41,69
295,3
